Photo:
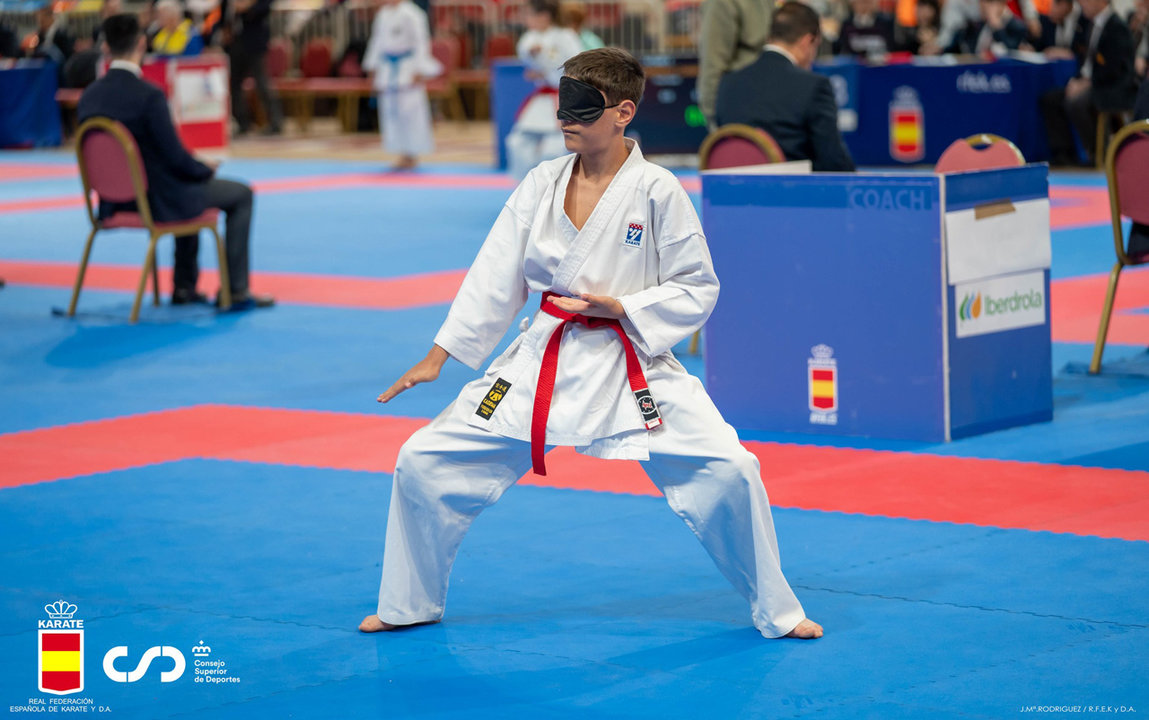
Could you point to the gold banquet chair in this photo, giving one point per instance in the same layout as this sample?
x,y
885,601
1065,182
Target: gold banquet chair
x,y
983,151
1127,172
111,168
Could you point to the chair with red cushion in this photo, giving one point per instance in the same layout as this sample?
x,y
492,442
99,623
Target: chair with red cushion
x,y
1127,170
278,57
445,87
498,45
737,145
316,60
979,152
111,168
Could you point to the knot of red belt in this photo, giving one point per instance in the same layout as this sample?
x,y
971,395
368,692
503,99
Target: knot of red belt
x,y
546,385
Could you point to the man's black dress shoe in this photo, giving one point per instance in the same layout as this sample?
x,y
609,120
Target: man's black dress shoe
x,y
248,302
189,297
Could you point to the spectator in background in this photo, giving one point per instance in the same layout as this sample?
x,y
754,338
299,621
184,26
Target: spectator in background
x,y
866,31
732,35
780,94
1106,81
176,35
959,15
997,32
1064,33
107,10
573,16
52,40
9,44
1139,28
246,35
923,30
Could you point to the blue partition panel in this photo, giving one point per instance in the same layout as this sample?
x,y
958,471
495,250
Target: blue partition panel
x,y
850,263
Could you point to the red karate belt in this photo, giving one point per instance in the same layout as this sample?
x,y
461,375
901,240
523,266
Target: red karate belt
x,y
546,385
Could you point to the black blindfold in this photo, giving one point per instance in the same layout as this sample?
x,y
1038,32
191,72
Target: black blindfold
x,y
580,102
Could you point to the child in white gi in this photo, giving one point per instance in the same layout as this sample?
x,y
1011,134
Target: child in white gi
x,y
615,246
399,57
543,48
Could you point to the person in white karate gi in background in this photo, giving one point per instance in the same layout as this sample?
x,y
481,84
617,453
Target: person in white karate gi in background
x,y
615,246
399,58
543,48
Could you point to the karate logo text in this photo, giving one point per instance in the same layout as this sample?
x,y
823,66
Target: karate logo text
x,y
634,235
61,650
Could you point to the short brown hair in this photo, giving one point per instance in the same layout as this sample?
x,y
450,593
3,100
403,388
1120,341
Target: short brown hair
x,y
794,21
612,70
548,7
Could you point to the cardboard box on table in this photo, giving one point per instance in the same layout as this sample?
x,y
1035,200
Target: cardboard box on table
x,y
894,305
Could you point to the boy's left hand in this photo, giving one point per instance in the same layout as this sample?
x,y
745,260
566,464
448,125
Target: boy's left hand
x,y
592,306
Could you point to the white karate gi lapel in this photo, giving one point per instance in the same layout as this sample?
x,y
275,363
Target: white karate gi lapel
x,y
594,230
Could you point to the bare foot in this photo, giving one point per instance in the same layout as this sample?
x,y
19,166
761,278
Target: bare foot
x,y
406,162
806,630
372,624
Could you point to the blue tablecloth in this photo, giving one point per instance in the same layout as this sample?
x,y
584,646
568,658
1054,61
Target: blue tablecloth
x,y
29,116
935,105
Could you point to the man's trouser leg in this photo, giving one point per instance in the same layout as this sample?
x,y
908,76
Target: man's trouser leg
x,y
235,199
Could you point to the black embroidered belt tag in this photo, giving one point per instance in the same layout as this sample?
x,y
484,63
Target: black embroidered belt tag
x,y
493,398
646,405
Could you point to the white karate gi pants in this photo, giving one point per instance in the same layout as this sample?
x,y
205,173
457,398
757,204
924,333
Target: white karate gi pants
x,y
405,121
449,471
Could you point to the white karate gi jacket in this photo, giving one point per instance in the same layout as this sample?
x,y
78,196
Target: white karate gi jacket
x,y
400,31
643,244
555,46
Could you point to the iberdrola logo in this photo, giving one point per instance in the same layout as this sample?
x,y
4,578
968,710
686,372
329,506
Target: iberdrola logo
x,y
970,308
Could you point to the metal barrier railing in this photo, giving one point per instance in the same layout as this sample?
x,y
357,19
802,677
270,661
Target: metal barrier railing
x,y
667,27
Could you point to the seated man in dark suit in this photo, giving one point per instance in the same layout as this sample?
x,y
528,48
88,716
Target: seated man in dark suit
x,y
1106,81
998,31
179,186
778,93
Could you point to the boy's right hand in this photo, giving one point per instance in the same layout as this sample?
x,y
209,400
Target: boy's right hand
x,y
425,370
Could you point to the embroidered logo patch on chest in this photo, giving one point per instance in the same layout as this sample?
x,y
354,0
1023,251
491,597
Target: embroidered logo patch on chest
x,y
633,235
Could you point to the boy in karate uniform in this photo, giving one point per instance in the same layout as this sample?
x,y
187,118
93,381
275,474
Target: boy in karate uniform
x,y
399,58
543,48
615,246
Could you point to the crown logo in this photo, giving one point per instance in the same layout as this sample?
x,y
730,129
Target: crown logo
x,y
822,352
201,650
60,610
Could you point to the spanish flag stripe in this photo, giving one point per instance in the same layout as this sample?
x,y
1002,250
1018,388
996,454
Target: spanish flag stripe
x,y
822,374
60,641
55,661
822,388
906,133
823,403
60,680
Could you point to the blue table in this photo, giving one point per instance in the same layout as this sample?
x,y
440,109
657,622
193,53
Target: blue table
x,y
29,115
897,305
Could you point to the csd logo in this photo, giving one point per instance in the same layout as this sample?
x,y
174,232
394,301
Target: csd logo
x,y
130,676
